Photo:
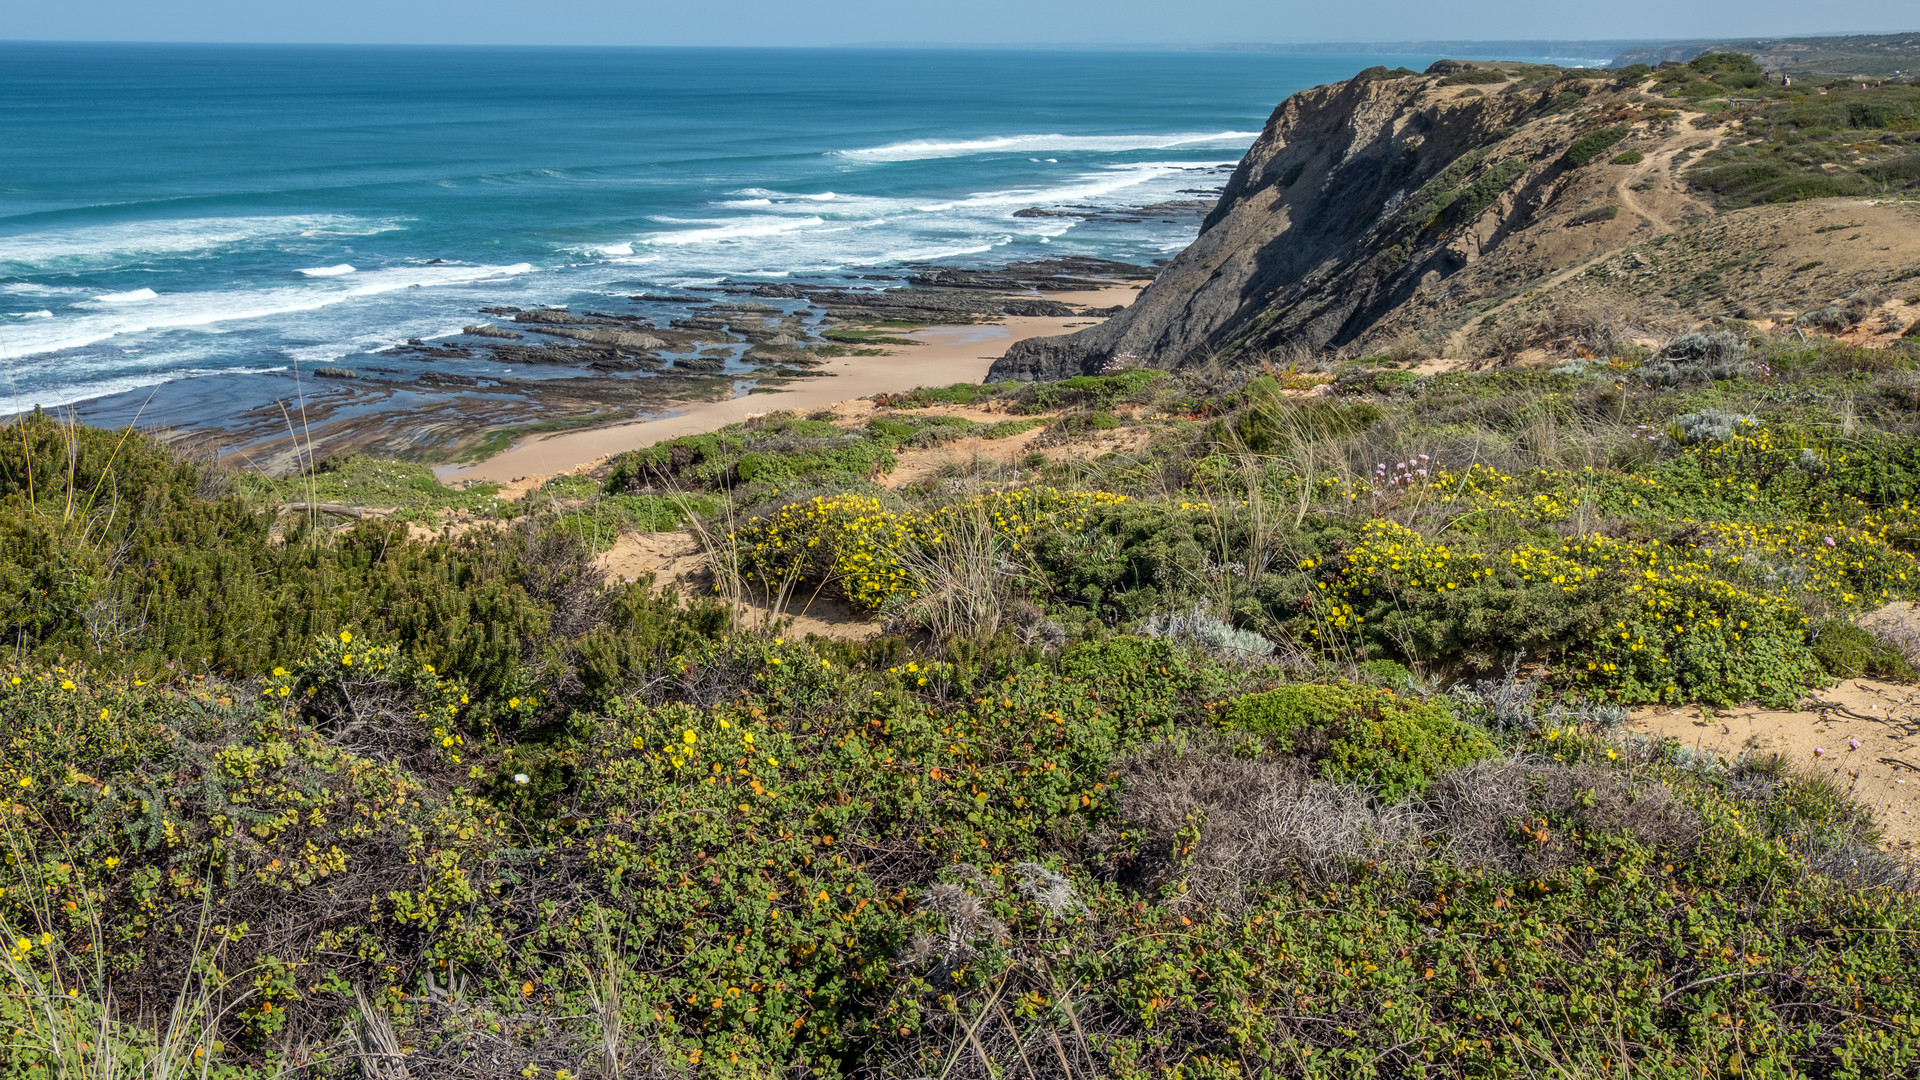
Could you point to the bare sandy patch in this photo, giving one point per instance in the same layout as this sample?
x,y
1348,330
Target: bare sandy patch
x,y
914,465
1882,772
678,559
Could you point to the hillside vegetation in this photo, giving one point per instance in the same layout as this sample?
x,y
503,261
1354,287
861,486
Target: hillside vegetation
x,y
1418,214
1287,743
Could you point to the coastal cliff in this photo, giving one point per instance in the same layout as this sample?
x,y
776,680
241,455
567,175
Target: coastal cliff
x,y
1457,213
1338,214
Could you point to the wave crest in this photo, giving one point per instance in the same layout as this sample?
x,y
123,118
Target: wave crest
x,y
926,149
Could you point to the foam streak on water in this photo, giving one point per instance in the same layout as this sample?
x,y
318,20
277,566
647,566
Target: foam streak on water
x,y
174,213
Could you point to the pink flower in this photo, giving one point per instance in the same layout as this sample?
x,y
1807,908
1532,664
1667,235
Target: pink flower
x,y
1830,541
1819,750
1853,744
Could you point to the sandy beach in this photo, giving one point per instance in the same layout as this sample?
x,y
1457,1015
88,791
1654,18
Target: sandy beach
x,y
950,354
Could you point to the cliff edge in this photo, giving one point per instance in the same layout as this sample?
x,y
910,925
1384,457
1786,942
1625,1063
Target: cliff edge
x,y
1426,211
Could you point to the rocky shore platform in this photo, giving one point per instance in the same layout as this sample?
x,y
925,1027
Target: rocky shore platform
x,y
515,373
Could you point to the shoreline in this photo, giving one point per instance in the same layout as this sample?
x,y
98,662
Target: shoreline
x,y
949,354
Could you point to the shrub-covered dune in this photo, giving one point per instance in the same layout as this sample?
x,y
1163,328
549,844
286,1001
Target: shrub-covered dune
x,y
1287,746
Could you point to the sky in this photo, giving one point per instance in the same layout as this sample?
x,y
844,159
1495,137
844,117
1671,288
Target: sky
x,y
956,22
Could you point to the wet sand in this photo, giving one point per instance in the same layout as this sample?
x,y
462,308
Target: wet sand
x,y
951,354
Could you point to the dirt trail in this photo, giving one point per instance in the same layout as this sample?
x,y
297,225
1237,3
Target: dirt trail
x,y
1657,166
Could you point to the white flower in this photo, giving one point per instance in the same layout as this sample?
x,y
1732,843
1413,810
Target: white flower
x,y
519,778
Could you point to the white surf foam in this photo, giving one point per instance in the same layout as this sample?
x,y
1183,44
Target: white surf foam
x,y
75,393
327,271
721,231
770,194
93,244
130,297
925,149
795,234
205,310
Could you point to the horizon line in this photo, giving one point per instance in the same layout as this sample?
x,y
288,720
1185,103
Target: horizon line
x,y
1406,47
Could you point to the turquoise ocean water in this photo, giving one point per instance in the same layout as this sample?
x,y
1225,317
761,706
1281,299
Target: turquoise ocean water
x,y
183,229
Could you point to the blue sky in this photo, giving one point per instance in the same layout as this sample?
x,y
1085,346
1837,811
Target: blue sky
x,y
830,22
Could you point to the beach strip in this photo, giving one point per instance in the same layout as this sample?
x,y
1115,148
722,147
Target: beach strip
x,y
948,355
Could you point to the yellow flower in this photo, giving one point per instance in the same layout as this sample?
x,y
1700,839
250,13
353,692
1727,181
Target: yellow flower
x,y
346,637
513,703
347,659
689,737
1612,754
66,684
112,861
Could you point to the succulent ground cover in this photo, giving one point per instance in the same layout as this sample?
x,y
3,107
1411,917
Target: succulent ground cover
x,y
1286,745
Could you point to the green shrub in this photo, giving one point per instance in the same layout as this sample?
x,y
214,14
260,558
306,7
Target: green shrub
x,y
1900,170
1008,428
1475,77
957,394
777,451
409,489
1594,143
1267,421
1631,157
1847,651
1597,214
1799,188
1386,673
1477,196
1362,734
1099,392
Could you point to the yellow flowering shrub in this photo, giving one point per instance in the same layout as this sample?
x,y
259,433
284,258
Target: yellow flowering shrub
x,y
857,543
348,684
1637,621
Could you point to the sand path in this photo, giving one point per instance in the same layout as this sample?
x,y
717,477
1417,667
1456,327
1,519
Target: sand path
x,y
1882,772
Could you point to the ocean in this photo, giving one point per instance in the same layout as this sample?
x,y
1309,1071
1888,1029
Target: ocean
x,y
188,232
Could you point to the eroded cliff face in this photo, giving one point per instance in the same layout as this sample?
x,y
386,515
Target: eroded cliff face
x,y
1359,201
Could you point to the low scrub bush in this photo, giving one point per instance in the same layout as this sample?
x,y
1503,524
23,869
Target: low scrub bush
x,y
1594,143
1200,630
1594,216
1222,824
859,547
1533,816
1358,734
1847,651
1096,392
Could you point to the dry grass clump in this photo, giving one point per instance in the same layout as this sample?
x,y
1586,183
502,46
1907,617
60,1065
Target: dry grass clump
x,y
1602,325
1522,815
1225,822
